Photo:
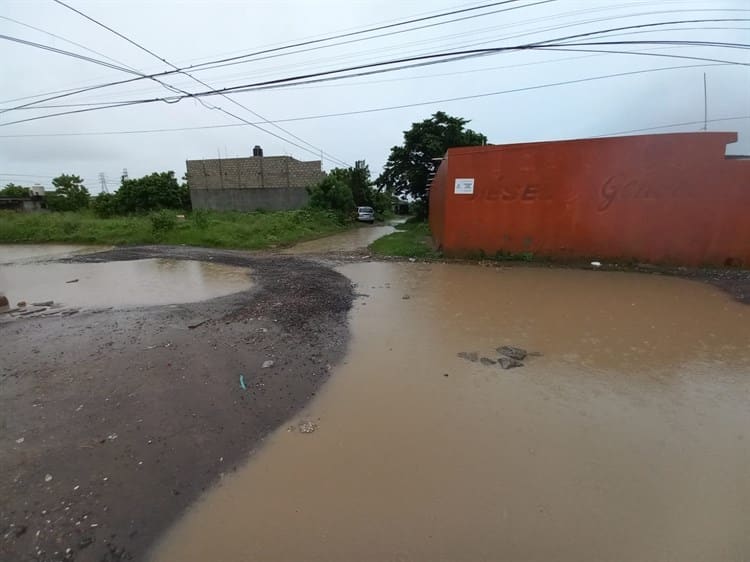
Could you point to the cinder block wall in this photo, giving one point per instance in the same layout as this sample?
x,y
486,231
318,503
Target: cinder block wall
x,y
266,198
253,172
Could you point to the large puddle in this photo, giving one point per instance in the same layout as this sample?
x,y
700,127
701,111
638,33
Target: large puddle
x,y
123,283
349,241
626,440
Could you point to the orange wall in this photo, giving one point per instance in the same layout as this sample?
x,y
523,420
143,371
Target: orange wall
x,y
670,198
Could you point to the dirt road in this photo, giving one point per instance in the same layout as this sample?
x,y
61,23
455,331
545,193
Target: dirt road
x,y
113,421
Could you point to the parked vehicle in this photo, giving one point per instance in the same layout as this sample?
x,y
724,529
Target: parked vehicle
x,y
366,214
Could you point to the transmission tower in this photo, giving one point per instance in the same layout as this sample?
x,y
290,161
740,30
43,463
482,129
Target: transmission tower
x,y
103,182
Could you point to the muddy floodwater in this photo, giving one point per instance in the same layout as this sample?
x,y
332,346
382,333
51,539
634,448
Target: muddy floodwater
x,y
628,439
348,241
14,253
119,283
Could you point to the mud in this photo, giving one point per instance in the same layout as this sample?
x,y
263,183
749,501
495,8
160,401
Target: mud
x,y
626,439
113,421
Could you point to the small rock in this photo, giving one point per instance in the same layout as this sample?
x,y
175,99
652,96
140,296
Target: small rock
x,y
509,363
20,440
512,352
472,356
48,478
307,427
21,304
267,364
4,301
487,361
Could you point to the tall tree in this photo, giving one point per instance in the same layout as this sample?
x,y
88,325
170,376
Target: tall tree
x,y
159,190
70,194
410,165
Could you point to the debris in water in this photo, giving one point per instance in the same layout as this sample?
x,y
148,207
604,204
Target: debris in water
x,y
72,281
509,363
242,382
20,440
406,297
307,427
512,352
596,264
193,326
266,364
43,303
472,356
48,478
487,361
21,304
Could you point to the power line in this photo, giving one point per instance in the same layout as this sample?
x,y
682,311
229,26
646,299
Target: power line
x,y
445,57
403,106
330,157
66,93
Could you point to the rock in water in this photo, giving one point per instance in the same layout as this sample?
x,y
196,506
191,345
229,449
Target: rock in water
x,y
509,363
512,352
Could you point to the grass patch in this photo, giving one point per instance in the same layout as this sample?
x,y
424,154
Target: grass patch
x,y
412,240
252,231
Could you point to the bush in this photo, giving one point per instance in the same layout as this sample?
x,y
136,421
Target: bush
x,y
332,194
104,205
200,219
163,221
151,193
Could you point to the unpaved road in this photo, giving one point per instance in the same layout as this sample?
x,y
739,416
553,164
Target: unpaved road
x,y
113,421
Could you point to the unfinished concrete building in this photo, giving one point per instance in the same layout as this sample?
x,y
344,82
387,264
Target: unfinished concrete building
x,y
270,183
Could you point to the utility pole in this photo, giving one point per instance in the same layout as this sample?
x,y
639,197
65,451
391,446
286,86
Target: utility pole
x,y
103,182
705,104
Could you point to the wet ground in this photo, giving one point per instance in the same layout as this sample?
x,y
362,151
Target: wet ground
x,y
625,440
113,421
348,241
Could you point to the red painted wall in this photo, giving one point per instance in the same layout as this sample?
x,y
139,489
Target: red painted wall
x,y
670,198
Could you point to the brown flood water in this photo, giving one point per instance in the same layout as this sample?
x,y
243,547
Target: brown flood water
x,y
124,283
348,241
627,440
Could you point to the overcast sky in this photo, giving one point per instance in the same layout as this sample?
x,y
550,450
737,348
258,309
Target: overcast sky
x,y
190,32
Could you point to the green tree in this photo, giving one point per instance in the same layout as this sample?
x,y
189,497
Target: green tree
x,y
13,190
70,194
151,193
333,194
411,164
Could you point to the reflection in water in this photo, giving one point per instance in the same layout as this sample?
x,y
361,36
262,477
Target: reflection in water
x,y
348,241
626,440
124,283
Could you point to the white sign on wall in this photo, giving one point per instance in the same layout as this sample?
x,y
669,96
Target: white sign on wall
x,y
464,186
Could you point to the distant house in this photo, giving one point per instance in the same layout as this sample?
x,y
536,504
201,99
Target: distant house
x,y
21,204
248,184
